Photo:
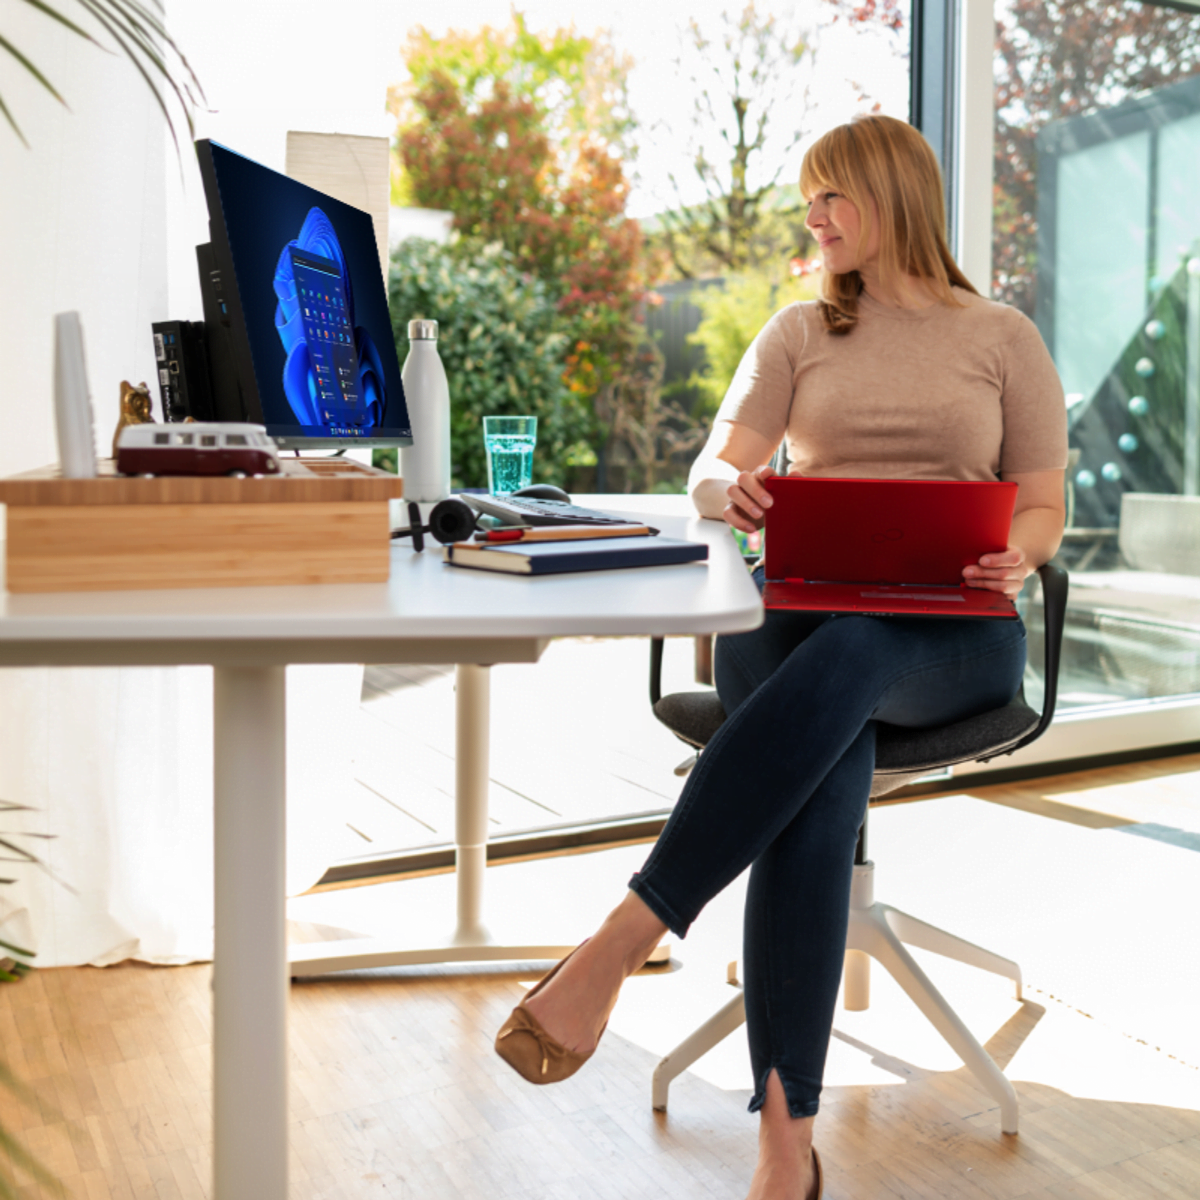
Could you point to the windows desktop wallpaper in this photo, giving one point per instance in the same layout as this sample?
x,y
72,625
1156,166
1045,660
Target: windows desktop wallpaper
x,y
314,305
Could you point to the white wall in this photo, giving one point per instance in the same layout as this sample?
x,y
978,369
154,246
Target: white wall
x,y
82,226
101,216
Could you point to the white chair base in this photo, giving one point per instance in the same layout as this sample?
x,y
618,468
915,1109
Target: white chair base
x,y
879,931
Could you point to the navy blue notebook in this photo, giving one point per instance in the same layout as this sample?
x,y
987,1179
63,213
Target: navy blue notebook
x,y
554,558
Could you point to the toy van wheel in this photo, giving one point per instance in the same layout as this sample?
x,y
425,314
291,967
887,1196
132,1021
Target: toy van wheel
x,y
236,474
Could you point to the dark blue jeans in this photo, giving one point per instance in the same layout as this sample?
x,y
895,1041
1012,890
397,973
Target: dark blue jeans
x,y
782,788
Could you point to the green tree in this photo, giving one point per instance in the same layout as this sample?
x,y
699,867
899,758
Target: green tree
x,y
521,137
752,80
1057,59
733,316
579,84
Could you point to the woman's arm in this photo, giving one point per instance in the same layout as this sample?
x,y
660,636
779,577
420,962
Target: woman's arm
x,y
726,480
1037,530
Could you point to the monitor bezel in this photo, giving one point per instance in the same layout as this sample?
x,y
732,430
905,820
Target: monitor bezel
x,y
239,336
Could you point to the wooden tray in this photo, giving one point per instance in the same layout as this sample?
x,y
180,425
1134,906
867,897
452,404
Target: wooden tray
x,y
321,521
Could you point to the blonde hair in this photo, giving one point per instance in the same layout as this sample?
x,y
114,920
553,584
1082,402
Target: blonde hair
x,y
882,159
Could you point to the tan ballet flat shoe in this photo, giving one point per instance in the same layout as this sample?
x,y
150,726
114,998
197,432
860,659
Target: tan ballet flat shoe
x,y
530,1050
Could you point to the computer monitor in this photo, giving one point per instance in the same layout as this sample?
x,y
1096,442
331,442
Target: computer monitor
x,y
296,317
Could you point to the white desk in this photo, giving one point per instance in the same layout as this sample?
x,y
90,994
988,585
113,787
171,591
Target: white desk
x,y
426,613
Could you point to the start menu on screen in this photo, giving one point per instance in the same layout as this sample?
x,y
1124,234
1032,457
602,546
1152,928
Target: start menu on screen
x,y
330,339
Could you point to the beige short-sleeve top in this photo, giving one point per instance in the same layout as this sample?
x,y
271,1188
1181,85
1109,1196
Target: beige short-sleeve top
x,y
933,393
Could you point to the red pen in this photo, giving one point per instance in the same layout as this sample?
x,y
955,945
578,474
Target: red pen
x,y
561,533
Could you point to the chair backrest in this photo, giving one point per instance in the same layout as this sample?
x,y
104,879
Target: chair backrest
x,y
903,755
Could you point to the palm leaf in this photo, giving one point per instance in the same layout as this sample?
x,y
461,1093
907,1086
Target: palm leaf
x,y
5,44
9,118
113,23
11,1149
141,36
131,27
16,1152
43,7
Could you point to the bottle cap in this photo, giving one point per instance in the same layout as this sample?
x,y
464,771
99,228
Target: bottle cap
x,y
422,331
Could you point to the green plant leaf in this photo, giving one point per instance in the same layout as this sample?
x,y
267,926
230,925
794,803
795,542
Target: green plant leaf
x,y
17,1152
141,35
42,7
26,1161
5,44
16,949
22,855
134,15
12,122
113,23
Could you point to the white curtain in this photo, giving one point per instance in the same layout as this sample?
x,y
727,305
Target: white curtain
x,y
117,765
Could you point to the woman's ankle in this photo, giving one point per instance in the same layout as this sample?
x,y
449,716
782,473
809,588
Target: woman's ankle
x,y
778,1131
634,931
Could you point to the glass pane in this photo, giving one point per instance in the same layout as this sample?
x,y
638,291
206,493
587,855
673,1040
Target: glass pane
x,y
1097,238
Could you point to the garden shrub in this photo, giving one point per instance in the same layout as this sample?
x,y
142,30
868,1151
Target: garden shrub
x,y
504,347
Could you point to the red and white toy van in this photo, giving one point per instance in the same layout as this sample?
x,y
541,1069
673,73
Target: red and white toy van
x,y
197,448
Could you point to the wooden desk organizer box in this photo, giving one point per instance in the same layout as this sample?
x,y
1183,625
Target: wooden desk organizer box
x,y
320,521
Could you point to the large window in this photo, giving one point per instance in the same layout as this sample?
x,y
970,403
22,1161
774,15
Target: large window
x,y
1096,236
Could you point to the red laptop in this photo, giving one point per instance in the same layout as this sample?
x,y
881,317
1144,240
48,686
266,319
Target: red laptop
x,y
894,547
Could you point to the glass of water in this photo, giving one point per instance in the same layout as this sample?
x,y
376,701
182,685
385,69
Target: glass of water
x,y
509,442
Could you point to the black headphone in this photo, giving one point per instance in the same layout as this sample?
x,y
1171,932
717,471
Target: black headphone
x,y
450,521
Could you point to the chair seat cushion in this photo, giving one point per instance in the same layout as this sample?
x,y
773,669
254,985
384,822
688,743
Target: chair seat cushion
x,y
691,716
695,716
899,750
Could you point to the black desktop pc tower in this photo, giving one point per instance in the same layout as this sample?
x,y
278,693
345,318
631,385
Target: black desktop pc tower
x,y
197,377
182,363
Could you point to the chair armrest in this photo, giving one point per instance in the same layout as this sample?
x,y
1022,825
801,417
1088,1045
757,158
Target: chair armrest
x,y
656,658
1054,611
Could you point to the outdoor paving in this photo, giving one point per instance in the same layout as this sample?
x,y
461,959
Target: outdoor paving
x,y
572,739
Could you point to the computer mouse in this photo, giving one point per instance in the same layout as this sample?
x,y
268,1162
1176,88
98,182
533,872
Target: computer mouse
x,y
543,491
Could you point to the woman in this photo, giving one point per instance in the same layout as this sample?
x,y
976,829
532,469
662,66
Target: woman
x,y
900,370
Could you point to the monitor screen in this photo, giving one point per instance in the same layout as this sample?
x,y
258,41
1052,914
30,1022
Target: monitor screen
x,y
305,308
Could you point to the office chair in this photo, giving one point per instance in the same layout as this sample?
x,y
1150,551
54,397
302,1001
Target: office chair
x,y
877,930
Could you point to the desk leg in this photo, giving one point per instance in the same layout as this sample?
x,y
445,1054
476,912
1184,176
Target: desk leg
x,y
471,941
250,976
472,711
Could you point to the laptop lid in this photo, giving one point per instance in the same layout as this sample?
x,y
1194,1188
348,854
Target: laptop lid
x,y
891,531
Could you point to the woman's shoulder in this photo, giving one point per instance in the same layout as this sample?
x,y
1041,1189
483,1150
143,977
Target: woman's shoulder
x,y
790,328
796,322
795,317
997,321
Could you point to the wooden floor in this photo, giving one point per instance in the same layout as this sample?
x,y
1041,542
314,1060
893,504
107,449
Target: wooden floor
x,y
395,1091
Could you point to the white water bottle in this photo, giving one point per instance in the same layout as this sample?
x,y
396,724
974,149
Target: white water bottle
x,y
425,465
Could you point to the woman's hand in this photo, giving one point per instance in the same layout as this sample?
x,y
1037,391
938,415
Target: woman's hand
x,y
1004,572
748,498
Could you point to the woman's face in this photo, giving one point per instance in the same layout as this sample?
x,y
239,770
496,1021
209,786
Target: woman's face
x,y
836,224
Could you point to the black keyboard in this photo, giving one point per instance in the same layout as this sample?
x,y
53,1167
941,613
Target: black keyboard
x,y
523,510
